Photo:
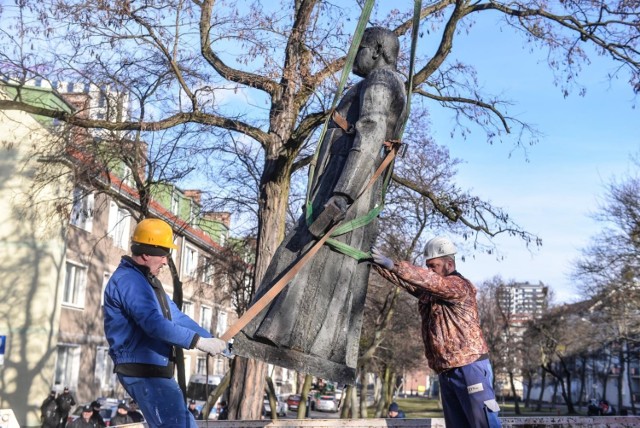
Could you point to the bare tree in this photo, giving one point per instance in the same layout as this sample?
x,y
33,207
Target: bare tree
x,y
179,59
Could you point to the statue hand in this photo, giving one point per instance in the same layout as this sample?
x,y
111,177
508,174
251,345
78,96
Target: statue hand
x,y
334,212
381,260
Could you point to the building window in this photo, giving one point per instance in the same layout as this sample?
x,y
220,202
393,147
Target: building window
x,y
70,87
208,270
205,317
221,324
127,176
67,366
201,365
82,210
104,374
105,281
119,225
187,309
74,285
190,265
175,203
218,368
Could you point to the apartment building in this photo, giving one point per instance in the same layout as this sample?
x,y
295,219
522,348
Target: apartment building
x,y
60,240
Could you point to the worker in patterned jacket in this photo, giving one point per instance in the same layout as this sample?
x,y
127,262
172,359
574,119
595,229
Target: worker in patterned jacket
x,y
454,345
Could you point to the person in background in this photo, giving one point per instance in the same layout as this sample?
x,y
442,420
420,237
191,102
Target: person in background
x,y
96,417
223,415
121,417
606,409
143,326
85,420
49,412
134,413
454,345
65,404
395,412
194,410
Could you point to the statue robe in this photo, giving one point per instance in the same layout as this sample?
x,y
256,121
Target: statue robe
x,y
313,325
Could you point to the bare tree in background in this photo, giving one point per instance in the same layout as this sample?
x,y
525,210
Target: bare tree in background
x,y
183,61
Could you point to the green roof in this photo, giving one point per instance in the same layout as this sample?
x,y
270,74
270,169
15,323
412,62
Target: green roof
x,y
38,97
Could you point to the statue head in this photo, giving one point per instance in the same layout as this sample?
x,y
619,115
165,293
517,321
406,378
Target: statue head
x,y
379,48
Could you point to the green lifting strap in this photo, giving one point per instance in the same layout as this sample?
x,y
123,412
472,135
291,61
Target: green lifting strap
x,y
372,214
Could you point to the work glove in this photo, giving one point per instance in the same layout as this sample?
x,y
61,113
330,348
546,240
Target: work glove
x,y
381,260
211,346
334,211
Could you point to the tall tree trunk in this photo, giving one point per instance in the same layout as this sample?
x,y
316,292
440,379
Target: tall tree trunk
x,y
248,376
622,359
583,381
304,393
345,411
178,297
543,384
515,395
527,401
384,393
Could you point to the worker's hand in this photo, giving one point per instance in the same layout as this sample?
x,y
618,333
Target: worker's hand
x,y
381,260
211,346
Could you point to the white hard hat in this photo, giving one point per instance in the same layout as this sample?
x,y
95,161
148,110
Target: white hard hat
x,y
439,246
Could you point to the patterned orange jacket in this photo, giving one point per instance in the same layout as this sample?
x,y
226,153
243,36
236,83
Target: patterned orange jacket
x,y
450,324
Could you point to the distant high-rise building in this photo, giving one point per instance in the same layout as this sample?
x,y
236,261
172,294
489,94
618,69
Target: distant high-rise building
x,y
522,301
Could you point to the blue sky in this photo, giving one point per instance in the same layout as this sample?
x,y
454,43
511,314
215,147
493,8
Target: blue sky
x,y
553,188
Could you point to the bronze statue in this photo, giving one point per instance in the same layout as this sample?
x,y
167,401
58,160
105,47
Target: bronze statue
x,y
313,325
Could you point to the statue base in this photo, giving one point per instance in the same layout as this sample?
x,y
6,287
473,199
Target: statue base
x,y
294,360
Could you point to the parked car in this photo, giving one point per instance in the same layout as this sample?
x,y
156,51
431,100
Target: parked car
x,y
281,406
326,403
293,402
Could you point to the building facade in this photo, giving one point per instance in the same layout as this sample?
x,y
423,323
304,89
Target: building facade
x,y
60,240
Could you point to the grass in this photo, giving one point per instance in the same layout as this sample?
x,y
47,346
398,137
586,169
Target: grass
x,y
422,408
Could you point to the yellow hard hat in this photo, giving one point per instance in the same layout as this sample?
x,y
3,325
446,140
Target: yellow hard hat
x,y
154,232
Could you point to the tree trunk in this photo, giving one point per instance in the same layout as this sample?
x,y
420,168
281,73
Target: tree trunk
x,y
345,410
515,395
304,393
583,381
543,384
384,393
246,389
248,376
527,402
178,298
622,359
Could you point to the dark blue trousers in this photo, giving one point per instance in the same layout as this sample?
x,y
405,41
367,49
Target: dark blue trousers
x,y
160,400
467,395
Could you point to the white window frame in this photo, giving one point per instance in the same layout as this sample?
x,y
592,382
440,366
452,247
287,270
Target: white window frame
x,y
119,225
201,365
75,284
67,365
82,209
218,366
190,262
105,280
188,308
221,322
104,375
175,203
208,270
206,315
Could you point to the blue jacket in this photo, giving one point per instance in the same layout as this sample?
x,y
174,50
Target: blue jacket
x,y
140,332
